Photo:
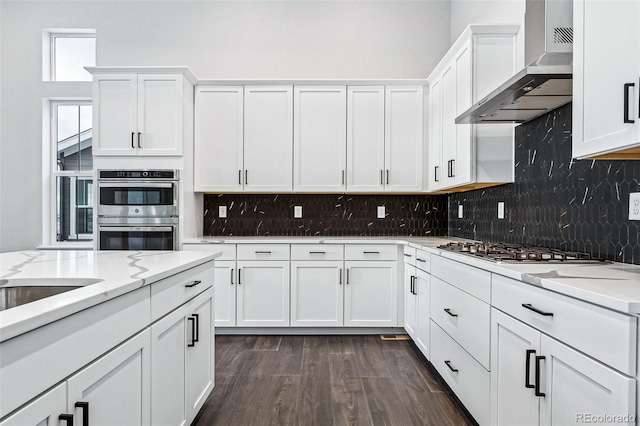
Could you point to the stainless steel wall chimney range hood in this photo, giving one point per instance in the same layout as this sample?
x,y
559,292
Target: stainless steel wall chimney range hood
x,y
545,83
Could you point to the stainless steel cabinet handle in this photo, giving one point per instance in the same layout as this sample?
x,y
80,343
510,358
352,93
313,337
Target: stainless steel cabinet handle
x,y
626,118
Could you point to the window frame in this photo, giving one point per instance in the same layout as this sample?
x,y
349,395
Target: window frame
x,y
51,173
49,50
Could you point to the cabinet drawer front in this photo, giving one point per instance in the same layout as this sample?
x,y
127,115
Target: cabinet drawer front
x,y
370,252
263,251
317,252
168,294
423,260
471,382
603,334
465,318
472,280
228,250
409,255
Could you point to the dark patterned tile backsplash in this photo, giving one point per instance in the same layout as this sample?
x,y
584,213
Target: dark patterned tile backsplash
x,y
557,202
325,215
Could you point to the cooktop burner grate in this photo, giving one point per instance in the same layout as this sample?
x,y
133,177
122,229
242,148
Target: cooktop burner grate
x,y
501,252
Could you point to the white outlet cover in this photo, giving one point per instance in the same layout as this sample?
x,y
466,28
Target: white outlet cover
x,y
634,206
460,211
222,212
381,212
297,212
501,210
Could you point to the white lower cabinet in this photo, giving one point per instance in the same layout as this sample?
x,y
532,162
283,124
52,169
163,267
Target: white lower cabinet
x,y
410,301
317,296
370,293
538,380
263,293
225,290
422,287
182,361
113,390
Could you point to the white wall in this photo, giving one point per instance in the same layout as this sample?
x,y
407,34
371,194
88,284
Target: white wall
x,y
465,12
217,39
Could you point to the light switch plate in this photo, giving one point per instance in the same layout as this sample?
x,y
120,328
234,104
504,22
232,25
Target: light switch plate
x,y
381,212
634,206
460,211
501,210
297,212
222,212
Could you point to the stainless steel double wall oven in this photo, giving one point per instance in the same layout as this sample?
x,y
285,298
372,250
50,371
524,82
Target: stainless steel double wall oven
x,y
138,209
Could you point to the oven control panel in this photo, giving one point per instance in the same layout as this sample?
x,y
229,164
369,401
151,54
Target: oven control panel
x,y
138,174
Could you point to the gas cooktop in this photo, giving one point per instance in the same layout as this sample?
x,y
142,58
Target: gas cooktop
x,y
500,252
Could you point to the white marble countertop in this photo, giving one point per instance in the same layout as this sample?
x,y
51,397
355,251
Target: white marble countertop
x,y
609,284
119,271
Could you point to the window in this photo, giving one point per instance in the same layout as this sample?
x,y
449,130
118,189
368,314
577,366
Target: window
x,y
72,170
66,53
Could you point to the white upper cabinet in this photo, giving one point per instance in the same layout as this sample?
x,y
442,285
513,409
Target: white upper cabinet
x,y
268,138
218,158
140,114
606,79
319,141
403,139
465,156
365,139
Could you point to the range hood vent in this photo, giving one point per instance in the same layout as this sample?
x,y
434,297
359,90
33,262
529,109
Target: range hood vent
x,y
546,82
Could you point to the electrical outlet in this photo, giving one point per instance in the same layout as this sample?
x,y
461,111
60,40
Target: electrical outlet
x,y
460,211
297,212
634,206
381,212
222,212
501,210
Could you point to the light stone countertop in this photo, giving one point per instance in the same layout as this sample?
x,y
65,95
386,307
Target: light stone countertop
x,y
609,284
119,271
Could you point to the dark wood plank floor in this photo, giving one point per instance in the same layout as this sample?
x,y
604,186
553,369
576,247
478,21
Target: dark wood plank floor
x,y
325,380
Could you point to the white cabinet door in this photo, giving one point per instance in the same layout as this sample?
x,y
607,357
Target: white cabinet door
x,y
514,346
370,298
225,293
218,161
115,123
606,43
449,134
268,138
317,296
199,378
43,411
575,385
422,286
319,140
410,301
403,139
116,386
365,139
434,172
168,347
263,293
160,114
461,166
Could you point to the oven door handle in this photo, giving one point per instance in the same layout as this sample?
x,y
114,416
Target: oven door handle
x,y
129,184
137,228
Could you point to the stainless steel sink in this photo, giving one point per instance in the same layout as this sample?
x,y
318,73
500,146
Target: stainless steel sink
x,y
19,291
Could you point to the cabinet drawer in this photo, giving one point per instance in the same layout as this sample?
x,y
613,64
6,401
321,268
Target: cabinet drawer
x,y
470,383
472,280
263,251
228,250
371,252
606,335
465,318
168,294
317,252
423,260
409,255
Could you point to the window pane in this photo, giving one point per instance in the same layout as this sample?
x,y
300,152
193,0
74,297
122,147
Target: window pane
x,y
71,54
74,208
74,138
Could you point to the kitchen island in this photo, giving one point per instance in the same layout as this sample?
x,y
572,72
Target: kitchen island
x,y
93,351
